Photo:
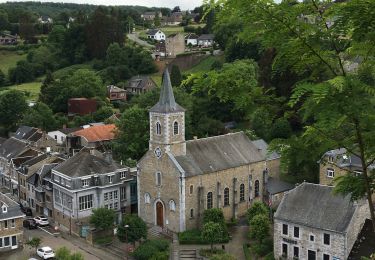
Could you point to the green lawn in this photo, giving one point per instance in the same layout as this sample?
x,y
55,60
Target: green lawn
x,y
8,59
31,89
204,65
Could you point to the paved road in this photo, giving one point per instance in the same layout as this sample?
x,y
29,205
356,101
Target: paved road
x,y
72,243
134,37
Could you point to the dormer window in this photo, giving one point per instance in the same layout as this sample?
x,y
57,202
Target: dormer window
x,y
123,175
158,128
110,178
85,182
4,209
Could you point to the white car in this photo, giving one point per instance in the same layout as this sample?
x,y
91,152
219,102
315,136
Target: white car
x,y
45,252
41,221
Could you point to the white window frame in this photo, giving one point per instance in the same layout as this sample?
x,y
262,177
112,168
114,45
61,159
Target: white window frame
x,y
110,179
123,175
86,202
330,173
123,195
85,182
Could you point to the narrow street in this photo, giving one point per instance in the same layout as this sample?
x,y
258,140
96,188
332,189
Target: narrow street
x,y
134,37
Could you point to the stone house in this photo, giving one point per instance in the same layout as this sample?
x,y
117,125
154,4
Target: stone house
x,y
86,181
177,179
155,34
10,149
115,93
150,16
140,84
95,137
11,229
311,223
174,45
35,137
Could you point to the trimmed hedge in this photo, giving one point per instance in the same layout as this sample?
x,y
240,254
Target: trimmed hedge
x,y
152,249
194,237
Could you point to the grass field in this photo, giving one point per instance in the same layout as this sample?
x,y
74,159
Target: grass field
x,y
31,89
204,65
8,59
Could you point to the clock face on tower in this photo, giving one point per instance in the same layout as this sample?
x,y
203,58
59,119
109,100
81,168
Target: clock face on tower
x,y
158,152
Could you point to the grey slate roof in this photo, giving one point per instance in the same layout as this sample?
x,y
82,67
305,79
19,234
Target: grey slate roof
x,y
345,160
84,163
13,209
315,206
24,132
12,147
204,37
152,31
139,81
263,148
67,131
166,102
275,186
218,153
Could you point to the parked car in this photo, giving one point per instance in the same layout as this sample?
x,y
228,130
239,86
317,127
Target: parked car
x,y
45,252
41,220
30,223
26,210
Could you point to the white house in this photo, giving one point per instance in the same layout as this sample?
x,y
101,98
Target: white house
x,y
156,34
206,40
312,223
191,39
60,134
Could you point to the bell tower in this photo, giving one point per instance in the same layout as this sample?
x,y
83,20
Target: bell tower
x,y
167,122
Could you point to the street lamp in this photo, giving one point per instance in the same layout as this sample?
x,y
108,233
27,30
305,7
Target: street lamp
x,y
126,239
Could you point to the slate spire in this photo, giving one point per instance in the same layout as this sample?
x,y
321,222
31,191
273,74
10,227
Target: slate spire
x,y
166,102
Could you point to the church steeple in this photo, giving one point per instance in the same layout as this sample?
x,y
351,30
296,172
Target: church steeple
x,y
166,102
167,121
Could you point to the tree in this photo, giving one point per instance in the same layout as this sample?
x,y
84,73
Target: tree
x,y
136,229
40,116
215,215
2,79
23,72
103,113
85,83
176,77
133,134
12,108
3,20
212,233
34,242
157,21
258,208
27,27
259,227
176,9
103,218
64,253
331,94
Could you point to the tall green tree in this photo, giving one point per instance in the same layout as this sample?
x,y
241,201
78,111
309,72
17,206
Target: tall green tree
x,y
27,27
212,233
176,77
133,228
3,20
133,134
12,109
40,116
103,218
319,42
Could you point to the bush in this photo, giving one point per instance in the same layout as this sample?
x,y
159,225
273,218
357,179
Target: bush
x,y
246,251
258,208
259,227
152,249
214,215
190,237
269,256
224,256
103,240
208,252
262,248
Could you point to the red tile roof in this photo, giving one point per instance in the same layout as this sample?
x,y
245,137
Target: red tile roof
x,y
97,133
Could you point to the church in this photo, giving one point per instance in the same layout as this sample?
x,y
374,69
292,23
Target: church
x,y
178,179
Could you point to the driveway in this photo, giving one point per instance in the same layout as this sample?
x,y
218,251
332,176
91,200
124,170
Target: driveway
x,y
134,37
72,243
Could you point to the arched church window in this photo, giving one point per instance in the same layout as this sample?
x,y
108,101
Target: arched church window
x,y
226,197
191,190
172,205
158,128
209,200
175,128
256,188
191,213
147,198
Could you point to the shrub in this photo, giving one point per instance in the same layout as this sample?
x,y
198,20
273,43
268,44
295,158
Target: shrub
x,y
214,215
262,248
258,208
152,249
259,227
192,236
246,251
224,256
103,240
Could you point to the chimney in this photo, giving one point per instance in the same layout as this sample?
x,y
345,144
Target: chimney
x,y
195,137
108,157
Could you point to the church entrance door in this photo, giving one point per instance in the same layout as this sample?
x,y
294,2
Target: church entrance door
x,y
159,214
